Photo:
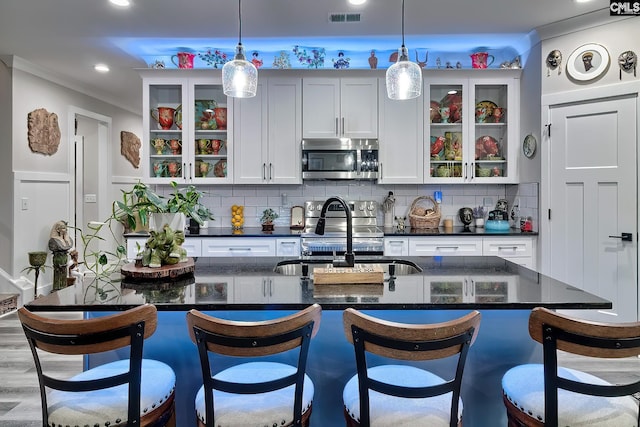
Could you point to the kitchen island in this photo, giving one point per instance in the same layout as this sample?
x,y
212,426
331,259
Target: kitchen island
x,y
248,288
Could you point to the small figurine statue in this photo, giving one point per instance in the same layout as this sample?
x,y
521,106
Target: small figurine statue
x,y
401,222
373,60
60,243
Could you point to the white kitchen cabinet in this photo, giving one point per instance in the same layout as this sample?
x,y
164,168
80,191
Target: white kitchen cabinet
x,y
401,152
264,289
478,142
444,246
340,107
194,144
268,131
520,250
238,247
288,247
477,289
396,246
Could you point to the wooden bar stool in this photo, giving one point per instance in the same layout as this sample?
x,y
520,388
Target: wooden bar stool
x,y
539,395
257,392
402,395
130,392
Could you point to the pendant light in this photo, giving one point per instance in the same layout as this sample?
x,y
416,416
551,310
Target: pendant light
x,y
239,77
404,78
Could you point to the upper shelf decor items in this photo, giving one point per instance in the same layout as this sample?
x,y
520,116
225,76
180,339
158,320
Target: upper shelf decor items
x,y
43,131
588,62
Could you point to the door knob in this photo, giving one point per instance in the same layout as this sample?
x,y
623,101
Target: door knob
x,y
625,237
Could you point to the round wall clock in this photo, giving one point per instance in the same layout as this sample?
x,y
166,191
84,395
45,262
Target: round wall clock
x,y
529,146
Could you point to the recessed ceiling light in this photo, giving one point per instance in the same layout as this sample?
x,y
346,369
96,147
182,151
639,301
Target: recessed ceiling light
x,y
121,3
582,1
101,68
357,2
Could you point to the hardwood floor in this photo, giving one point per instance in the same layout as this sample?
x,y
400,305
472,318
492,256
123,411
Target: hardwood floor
x,y
20,398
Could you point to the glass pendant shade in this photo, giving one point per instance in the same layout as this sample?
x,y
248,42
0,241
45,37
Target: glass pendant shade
x,y
404,78
239,77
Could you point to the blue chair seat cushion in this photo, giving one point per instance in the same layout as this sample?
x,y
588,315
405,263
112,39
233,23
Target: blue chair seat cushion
x,y
110,406
262,409
524,387
394,411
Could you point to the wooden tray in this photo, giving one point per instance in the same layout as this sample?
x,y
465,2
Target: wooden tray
x,y
348,275
165,272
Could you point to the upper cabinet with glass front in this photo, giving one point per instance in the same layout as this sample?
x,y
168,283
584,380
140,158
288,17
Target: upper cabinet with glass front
x,y
471,125
186,134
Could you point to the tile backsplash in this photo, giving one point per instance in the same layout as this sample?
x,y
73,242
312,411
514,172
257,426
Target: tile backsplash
x,y
256,198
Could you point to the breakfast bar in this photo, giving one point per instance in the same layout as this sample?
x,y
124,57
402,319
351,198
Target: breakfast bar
x,y
414,290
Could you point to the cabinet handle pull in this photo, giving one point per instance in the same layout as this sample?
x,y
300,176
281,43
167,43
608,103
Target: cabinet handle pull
x,y
264,171
471,170
270,288
343,126
190,171
270,171
337,129
466,287
264,287
513,248
240,249
380,170
466,165
455,248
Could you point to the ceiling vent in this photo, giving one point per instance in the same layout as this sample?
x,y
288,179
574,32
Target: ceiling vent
x,y
343,18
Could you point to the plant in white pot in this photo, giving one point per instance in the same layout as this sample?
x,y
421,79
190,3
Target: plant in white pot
x,y
182,203
478,216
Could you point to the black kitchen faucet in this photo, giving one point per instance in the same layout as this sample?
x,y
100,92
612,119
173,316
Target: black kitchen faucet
x,y
349,257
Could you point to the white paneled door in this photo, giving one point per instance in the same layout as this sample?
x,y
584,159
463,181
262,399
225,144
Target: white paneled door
x,y
593,201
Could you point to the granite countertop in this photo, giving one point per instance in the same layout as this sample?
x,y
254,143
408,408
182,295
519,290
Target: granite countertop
x,y
388,231
251,284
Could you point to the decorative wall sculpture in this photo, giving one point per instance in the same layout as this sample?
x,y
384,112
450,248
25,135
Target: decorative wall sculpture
x,y
130,147
43,131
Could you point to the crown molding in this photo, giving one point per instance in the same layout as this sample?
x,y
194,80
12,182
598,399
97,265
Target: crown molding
x,y
578,23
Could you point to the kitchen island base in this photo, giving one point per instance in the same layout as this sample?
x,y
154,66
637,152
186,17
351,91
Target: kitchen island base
x,y
503,342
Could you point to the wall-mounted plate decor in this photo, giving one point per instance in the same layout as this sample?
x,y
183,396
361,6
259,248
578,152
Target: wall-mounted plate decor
x,y
529,146
588,62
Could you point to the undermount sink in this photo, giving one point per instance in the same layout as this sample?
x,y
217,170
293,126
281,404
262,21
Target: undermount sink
x,y
392,267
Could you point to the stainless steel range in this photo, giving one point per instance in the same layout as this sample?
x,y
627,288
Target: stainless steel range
x,y
367,237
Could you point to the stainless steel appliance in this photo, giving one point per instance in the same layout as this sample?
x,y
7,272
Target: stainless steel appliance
x,y
367,237
340,158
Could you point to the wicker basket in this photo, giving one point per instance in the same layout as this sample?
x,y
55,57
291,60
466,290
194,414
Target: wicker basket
x,y
424,217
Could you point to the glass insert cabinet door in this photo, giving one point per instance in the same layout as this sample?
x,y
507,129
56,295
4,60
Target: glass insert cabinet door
x,y
187,131
210,143
165,133
472,128
446,133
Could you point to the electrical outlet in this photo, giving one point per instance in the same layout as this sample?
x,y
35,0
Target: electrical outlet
x,y
24,203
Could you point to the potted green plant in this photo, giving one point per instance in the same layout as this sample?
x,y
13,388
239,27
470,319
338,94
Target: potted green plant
x,y
268,216
186,202
136,205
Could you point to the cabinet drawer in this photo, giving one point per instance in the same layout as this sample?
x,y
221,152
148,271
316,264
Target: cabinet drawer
x,y
441,246
238,246
193,246
288,247
507,248
396,246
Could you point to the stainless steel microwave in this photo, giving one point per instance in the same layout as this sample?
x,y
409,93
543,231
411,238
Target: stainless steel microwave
x,y
340,158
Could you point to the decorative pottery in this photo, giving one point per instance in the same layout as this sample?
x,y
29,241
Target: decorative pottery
x,y
204,114
183,59
454,102
177,117
220,115
158,144
159,169
176,146
220,169
174,169
204,168
164,116
216,145
481,60
444,114
204,145
434,112
466,216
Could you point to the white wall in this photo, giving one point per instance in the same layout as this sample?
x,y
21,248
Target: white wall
x,y
47,181
6,175
616,37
